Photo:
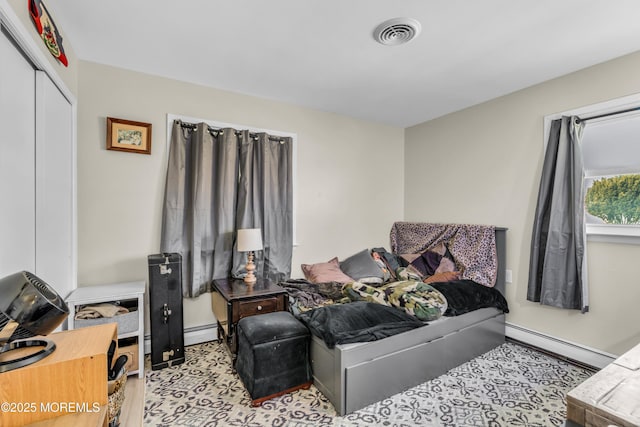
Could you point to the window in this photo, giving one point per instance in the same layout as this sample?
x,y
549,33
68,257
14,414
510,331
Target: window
x,y
611,156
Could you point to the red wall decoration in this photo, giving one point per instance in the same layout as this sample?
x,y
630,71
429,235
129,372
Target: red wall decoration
x,y
47,29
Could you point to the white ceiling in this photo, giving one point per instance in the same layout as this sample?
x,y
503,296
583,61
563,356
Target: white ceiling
x,y
321,54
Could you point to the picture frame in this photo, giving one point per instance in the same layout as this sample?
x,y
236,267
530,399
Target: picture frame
x,y
128,135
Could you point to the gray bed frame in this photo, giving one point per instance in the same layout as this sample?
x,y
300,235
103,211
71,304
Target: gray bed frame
x,y
353,376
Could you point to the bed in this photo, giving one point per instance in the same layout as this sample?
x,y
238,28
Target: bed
x,y
353,375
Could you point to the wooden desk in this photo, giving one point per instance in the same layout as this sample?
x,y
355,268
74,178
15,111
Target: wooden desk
x,y
611,397
75,373
232,300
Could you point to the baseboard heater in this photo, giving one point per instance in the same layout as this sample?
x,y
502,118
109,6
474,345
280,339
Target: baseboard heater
x,y
587,357
192,335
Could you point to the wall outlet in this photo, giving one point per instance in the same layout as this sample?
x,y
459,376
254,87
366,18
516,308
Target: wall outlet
x,y
508,276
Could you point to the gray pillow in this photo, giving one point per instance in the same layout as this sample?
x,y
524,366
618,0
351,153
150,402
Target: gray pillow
x,y
362,267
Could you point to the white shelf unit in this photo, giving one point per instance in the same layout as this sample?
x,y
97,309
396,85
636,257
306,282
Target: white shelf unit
x,y
129,292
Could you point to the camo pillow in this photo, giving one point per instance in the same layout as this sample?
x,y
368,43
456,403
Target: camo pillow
x,y
416,298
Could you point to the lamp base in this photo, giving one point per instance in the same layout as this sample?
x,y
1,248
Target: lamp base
x,y
250,278
19,362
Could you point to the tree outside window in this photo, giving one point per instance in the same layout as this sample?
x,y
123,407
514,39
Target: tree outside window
x,y
615,200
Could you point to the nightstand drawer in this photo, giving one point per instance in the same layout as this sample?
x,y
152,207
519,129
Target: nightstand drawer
x,y
259,306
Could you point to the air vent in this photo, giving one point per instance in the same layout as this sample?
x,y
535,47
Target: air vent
x,y
397,31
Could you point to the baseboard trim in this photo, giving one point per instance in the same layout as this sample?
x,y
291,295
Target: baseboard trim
x,y
577,352
572,351
193,335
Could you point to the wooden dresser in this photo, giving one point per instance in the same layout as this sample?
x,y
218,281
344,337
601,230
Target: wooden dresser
x,y
611,397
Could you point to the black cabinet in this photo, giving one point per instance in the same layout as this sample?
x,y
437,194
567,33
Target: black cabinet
x,y
165,310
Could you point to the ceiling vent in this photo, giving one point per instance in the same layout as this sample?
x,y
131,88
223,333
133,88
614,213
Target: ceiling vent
x,y
397,31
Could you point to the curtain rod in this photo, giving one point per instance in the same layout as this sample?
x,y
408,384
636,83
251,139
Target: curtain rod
x,y
211,128
613,113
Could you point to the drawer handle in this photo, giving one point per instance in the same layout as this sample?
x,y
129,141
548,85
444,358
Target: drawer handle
x,y
259,308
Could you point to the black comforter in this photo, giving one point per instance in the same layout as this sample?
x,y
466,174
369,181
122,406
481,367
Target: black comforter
x,y
357,322
464,296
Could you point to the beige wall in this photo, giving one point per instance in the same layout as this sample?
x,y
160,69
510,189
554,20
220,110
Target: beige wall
x,y
347,198
482,165
479,165
68,74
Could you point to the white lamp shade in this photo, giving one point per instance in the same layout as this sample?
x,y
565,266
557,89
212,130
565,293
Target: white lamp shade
x,y
249,239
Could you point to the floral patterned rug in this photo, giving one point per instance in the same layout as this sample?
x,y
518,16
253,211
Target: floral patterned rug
x,y
508,386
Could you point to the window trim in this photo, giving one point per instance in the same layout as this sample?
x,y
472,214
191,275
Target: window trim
x,y
630,234
605,107
610,233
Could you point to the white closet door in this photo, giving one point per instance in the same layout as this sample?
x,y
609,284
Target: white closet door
x,y
54,173
17,178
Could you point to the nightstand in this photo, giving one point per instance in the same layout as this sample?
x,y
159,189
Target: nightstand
x,y
232,300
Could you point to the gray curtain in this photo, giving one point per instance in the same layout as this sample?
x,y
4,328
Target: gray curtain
x,y
265,201
206,201
557,267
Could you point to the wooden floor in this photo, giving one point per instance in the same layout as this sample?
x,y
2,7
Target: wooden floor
x,y
132,411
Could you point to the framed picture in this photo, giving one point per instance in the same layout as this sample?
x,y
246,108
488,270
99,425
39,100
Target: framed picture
x,y
127,135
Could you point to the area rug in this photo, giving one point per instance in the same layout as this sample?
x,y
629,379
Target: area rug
x,y
509,386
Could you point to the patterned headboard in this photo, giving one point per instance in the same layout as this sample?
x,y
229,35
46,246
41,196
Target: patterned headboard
x,y
479,249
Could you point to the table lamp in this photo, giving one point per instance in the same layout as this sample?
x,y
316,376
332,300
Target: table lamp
x,y
249,240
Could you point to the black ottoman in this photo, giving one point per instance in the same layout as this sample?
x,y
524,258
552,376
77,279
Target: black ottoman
x,y
273,355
